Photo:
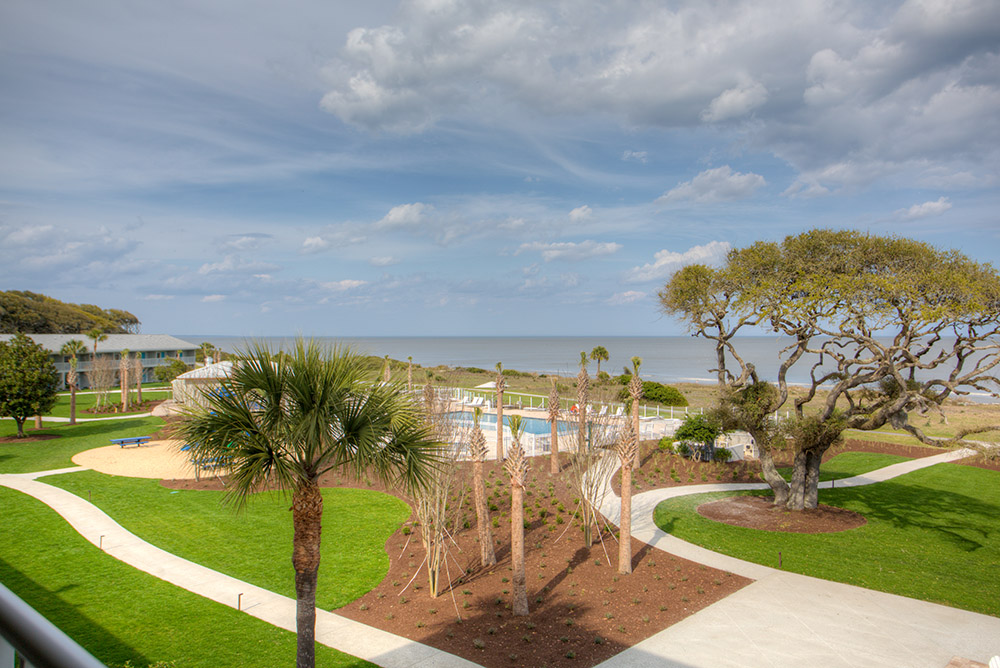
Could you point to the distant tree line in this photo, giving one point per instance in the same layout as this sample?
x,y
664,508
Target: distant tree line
x,y
33,313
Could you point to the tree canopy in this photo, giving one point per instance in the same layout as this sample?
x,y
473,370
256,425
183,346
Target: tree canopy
x,y
33,313
28,380
887,326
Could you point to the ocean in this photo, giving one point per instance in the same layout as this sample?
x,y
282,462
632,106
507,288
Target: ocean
x,y
667,359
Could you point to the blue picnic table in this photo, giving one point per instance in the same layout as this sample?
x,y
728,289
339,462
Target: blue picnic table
x,y
131,440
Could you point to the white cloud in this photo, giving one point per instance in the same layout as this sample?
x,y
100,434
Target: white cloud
x,y
580,213
158,297
715,185
244,242
382,261
233,264
638,156
924,210
208,299
735,102
342,286
626,297
666,262
23,236
571,251
405,215
315,245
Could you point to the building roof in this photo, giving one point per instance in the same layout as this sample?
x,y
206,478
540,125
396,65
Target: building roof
x,y
113,344
217,370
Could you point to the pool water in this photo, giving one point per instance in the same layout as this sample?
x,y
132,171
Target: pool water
x,y
532,425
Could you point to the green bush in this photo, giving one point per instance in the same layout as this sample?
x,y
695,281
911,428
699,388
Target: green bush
x,y
681,448
723,455
167,372
653,392
666,444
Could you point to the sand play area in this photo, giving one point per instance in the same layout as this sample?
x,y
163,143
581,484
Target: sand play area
x,y
156,459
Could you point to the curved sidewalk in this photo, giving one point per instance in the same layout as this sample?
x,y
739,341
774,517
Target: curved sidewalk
x,y
365,642
789,620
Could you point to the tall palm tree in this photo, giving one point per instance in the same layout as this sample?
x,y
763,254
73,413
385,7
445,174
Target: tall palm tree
x,y
582,398
409,374
207,351
501,385
626,448
516,467
123,369
599,354
97,335
554,420
386,371
73,347
478,450
635,392
286,419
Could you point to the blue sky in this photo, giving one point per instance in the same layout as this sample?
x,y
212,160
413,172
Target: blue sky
x,y
475,168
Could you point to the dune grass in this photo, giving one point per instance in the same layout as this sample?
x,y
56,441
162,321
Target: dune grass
x,y
933,534
57,453
254,545
119,613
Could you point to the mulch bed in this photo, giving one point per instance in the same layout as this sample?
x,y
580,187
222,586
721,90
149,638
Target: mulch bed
x,y
980,461
582,610
133,407
757,512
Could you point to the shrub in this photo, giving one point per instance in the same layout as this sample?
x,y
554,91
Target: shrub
x,y
723,455
165,373
666,444
681,448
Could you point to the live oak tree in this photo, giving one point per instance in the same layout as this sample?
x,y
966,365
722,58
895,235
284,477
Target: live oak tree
x,y
28,380
887,327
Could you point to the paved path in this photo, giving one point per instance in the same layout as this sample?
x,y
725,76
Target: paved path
x,y
789,620
360,640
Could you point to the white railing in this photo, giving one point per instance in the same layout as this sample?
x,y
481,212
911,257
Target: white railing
x,y
540,403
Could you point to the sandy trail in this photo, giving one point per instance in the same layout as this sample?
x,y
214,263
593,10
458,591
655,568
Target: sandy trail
x,y
156,459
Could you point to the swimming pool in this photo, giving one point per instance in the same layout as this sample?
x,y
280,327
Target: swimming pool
x,y
532,425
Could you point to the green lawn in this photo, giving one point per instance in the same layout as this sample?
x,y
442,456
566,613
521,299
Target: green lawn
x,y
87,401
933,534
121,614
57,453
255,545
849,464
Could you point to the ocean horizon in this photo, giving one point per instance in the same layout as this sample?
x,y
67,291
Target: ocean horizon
x,y
667,359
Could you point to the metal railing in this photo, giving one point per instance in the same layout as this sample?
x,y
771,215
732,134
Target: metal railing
x,y
26,634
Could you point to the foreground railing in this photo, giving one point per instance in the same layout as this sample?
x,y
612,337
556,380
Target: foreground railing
x,y
26,635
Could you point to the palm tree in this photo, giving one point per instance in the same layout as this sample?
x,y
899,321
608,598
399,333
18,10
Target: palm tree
x,y
123,368
286,419
73,347
478,450
409,374
582,397
516,467
635,392
97,335
501,385
207,351
554,420
386,371
598,354
626,448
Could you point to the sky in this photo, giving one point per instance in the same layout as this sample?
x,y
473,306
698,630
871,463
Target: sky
x,y
431,167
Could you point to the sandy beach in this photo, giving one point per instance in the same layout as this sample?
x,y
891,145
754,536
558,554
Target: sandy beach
x,y
156,459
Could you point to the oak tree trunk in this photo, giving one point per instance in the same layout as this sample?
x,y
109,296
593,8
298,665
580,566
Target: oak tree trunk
x,y
486,553
307,516
520,603
797,487
812,479
778,484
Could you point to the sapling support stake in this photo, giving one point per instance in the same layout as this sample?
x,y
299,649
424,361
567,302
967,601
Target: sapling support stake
x,y
779,558
100,542
239,601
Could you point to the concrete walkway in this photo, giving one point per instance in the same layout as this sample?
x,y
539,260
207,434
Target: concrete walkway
x,y
366,642
789,620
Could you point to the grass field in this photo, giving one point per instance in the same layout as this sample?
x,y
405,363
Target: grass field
x,y
87,401
121,614
255,545
56,453
848,464
933,534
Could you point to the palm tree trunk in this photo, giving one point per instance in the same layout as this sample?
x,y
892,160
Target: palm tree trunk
x,y
500,453
520,603
307,516
554,459
72,404
625,523
635,427
486,553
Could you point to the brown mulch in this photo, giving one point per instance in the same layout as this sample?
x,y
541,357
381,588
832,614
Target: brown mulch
x,y
582,610
756,512
980,461
133,407
29,438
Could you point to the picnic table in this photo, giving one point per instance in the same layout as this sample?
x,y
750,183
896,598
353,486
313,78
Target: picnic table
x,y
131,440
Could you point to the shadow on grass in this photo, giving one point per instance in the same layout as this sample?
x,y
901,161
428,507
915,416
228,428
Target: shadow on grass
x,y
963,520
51,604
